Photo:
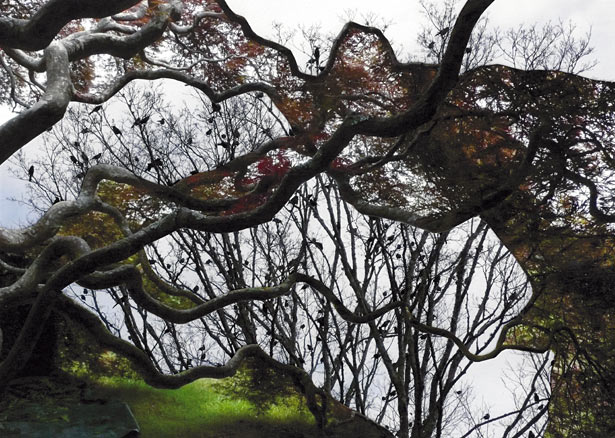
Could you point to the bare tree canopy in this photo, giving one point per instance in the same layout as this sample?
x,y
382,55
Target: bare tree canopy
x,y
388,158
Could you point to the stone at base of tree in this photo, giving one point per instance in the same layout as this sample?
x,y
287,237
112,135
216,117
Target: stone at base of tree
x,y
106,420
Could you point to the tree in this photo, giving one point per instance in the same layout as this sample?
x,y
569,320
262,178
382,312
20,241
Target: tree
x,y
527,151
386,261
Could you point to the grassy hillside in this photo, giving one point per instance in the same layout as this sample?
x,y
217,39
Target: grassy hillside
x,y
203,409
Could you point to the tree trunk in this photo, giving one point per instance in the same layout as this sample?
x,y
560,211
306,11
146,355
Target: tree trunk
x,y
42,360
404,423
13,315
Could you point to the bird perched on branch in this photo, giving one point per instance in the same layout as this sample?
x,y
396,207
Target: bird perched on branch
x,y
141,121
443,32
156,163
30,173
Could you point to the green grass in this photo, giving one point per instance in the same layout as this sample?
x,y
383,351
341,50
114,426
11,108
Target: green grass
x,y
198,410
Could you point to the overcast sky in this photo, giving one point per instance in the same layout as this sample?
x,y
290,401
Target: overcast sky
x,y
405,18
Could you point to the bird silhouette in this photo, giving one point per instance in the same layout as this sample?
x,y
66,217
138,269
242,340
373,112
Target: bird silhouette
x,y
317,55
442,33
96,109
157,162
30,173
116,131
141,121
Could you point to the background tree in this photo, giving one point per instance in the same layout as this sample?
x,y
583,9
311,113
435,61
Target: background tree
x,y
526,151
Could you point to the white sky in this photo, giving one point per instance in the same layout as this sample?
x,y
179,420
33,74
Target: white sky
x,y
404,16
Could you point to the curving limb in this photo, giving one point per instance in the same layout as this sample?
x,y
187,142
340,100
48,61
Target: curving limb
x,y
125,46
416,143
37,32
47,111
594,210
179,76
51,106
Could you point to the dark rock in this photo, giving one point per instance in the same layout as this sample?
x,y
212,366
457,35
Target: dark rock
x,y
109,420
